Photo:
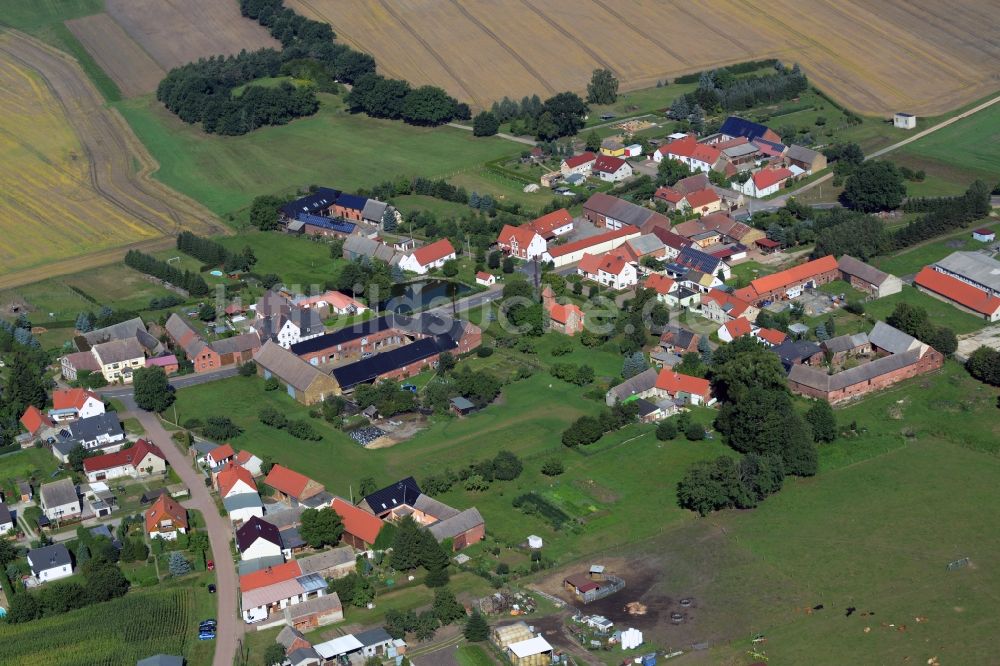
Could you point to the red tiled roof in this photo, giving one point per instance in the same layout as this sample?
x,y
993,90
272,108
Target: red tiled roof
x,y
430,253
221,453
561,313
794,275
983,232
483,275
668,194
577,160
660,283
288,481
232,475
357,522
546,224
767,177
739,306
33,419
702,198
771,335
958,291
608,164
674,382
165,507
689,147
609,263
73,398
584,243
270,576
670,238
129,456
523,235
739,326
767,242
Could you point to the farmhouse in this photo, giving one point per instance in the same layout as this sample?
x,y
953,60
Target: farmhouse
x,y
258,538
579,164
302,381
734,127
117,359
697,156
50,563
357,247
428,257
716,228
898,356
165,519
329,303
612,169
720,306
74,403
141,459
276,588
360,527
762,183
567,319
684,388
554,224
292,485
790,283
735,328
677,340
522,242
570,253
609,270
404,498
810,161
865,277
968,280
211,356
329,212
691,258
59,500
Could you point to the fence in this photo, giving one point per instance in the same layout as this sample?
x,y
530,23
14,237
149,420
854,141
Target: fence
x,y
615,585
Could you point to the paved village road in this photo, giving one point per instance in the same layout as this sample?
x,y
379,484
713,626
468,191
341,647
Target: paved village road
x,y
183,381
230,626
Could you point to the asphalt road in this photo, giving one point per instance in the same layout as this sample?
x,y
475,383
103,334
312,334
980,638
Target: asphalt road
x,y
183,381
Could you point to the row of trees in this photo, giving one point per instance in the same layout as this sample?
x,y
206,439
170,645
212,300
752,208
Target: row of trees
x,y
505,466
26,384
102,581
299,429
560,115
721,90
212,253
193,283
588,429
394,99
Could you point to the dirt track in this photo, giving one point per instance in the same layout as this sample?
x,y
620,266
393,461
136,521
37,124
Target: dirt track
x,y
119,165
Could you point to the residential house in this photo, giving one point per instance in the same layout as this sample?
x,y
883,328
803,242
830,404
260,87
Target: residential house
x,y
691,258
735,328
734,127
703,201
554,224
101,431
276,588
50,563
677,340
769,337
241,507
249,462
335,563
697,156
721,306
578,164
6,519
570,253
790,283
139,460
361,528
612,147
715,228
642,385
684,388
166,518
765,182
168,363
60,500
258,538
669,292
865,277
37,423
329,303
319,201
300,324
609,270
220,455
292,485
75,403
673,242
810,161
235,480
404,498
428,257
118,359
798,352
612,169
567,319
522,242
485,279
673,198
302,381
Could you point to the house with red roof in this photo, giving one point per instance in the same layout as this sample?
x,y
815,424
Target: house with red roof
x,y
35,421
704,201
249,462
684,388
611,270
697,156
557,223
75,403
166,518
141,459
721,307
735,328
428,257
764,182
234,480
581,164
570,253
486,279
360,527
961,294
292,485
771,337
670,292
611,169
672,197
522,242
220,455
566,319
790,283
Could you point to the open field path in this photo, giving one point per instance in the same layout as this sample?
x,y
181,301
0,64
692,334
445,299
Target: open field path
x,y
120,167
230,625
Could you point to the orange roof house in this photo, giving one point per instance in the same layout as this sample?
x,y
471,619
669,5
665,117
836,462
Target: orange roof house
x,y
292,484
73,398
676,385
791,281
270,575
960,293
765,178
360,527
661,284
548,224
34,420
221,454
770,336
230,476
165,518
738,327
428,254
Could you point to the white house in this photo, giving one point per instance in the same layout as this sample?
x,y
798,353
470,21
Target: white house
x,y
557,223
258,538
763,182
235,480
59,500
142,459
428,257
249,462
579,164
300,324
612,169
904,120
50,563
6,520
243,507
522,242
76,403
697,156
610,270
165,519
486,279
276,588
735,328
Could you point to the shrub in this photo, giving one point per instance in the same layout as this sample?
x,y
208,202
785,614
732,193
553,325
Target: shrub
x,y
666,430
694,432
484,352
553,467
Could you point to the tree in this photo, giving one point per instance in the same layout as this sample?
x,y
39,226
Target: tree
x,y
450,268
709,485
85,322
151,390
77,455
389,220
220,428
493,259
593,141
446,608
367,486
565,111
694,432
104,581
508,265
634,364
177,564
743,364
428,105
9,553
603,87
274,655
507,466
434,560
321,528
485,124
669,171
476,628
666,430
363,592
763,421
553,467
984,365
822,421
426,626
406,546
874,186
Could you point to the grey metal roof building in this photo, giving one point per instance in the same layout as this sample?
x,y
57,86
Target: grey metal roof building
x,y
975,268
58,493
843,343
642,382
819,379
90,428
452,527
892,339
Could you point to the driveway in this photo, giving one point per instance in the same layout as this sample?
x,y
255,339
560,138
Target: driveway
x,y
230,627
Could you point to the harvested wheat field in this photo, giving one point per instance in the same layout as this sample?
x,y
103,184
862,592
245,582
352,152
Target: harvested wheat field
x,y
75,179
921,56
135,72
175,32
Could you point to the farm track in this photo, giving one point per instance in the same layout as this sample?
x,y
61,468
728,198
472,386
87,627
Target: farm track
x,y
112,153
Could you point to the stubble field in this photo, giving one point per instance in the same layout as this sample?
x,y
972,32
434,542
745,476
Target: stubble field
x,y
119,55
924,57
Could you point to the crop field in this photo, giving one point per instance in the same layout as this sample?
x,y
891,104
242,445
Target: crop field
x,y
75,178
131,68
925,57
181,31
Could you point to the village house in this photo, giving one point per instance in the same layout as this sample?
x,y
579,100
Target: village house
x,y
769,337
670,293
291,485
810,161
258,538
612,147
118,359
720,306
274,592
608,212
868,279
357,247
249,462
734,127
609,270
798,352
234,480
789,284
221,353
697,156
60,500
735,328
612,169
763,183
684,388
360,527
6,519
328,304
571,253
220,455
485,279
579,164
103,431
691,258
554,224
680,341
428,257
673,243
37,423
74,403
404,498
142,459
302,381
715,228
241,507
166,518
567,319
522,242
50,563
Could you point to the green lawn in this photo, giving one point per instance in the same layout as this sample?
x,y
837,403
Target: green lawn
x,y
332,148
411,203
24,464
911,260
472,655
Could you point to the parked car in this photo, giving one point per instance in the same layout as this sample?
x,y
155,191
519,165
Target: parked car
x,y
211,588
210,565
206,636
207,624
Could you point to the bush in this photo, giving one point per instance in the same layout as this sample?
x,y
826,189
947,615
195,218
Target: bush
x,y
303,430
220,428
666,430
484,352
553,467
271,384
695,432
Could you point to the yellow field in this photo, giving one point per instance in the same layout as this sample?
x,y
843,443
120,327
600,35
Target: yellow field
x,y
49,208
920,56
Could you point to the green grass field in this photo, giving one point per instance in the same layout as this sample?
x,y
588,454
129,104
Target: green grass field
x,y
472,655
911,260
332,148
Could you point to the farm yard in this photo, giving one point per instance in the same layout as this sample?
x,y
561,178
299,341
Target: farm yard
x,y
873,61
